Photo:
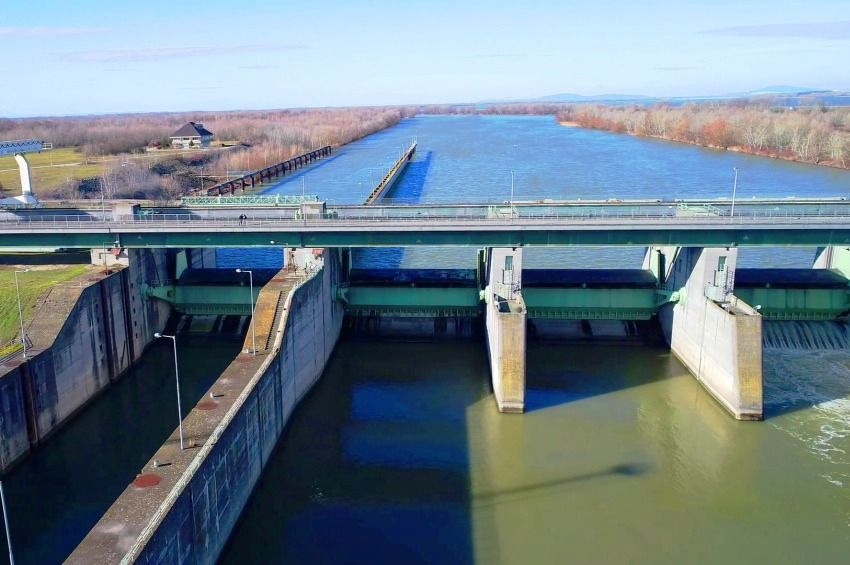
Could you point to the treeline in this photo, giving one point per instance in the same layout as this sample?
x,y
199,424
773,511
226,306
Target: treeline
x,y
819,135
261,138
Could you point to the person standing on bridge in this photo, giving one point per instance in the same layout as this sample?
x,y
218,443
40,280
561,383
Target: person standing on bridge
x,y
242,218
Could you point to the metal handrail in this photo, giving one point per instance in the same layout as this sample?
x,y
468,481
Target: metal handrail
x,y
357,217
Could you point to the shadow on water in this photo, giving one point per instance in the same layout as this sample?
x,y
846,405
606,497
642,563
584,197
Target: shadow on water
x,y
380,457
411,184
545,488
377,457
563,372
61,490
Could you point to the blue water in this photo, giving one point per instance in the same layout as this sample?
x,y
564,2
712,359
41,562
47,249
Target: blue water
x,y
470,159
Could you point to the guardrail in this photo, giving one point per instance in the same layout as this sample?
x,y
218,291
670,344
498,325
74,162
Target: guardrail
x,y
350,218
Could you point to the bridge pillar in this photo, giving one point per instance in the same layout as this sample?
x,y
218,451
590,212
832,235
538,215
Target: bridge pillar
x,y
505,321
26,176
833,258
717,336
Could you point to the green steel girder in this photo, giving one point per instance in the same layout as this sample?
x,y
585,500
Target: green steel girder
x,y
205,300
796,303
592,303
377,237
562,303
402,298
589,314
248,200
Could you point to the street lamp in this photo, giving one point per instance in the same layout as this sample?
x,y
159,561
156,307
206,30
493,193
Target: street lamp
x,y
6,523
512,193
734,190
21,310
253,325
177,380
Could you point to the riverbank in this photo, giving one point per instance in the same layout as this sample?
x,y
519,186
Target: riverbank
x,y
813,135
732,149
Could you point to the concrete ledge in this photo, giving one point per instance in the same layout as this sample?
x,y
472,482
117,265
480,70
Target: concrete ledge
x,y
199,493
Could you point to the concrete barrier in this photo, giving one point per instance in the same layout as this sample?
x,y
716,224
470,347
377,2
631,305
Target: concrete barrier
x,y
716,336
199,493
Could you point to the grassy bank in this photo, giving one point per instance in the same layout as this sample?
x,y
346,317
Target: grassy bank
x,y
49,170
33,285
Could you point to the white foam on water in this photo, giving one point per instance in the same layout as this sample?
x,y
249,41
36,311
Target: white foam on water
x,y
807,395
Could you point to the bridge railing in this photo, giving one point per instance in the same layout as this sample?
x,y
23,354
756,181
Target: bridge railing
x,y
421,216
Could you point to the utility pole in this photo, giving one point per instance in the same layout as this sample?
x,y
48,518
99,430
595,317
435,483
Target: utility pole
x,y
734,190
21,310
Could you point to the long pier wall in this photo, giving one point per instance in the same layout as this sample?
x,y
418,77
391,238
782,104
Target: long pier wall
x,y
391,177
188,517
716,336
83,338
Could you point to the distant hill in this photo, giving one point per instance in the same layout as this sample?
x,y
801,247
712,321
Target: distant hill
x,y
571,97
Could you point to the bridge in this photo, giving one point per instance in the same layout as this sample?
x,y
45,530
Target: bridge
x,y
254,178
19,148
709,311
314,224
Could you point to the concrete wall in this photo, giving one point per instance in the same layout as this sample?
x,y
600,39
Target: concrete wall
x,y
720,343
14,436
505,321
83,338
195,528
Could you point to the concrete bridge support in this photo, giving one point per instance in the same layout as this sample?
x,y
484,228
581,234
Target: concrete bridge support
x,y
717,336
505,321
834,259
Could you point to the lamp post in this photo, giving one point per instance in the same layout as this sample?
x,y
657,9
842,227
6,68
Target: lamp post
x,y
734,190
253,325
6,523
177,380
21,310
513,174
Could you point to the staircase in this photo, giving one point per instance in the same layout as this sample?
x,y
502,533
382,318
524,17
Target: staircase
x,y
278,312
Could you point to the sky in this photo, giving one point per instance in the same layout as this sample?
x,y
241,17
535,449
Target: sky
x,y
72,57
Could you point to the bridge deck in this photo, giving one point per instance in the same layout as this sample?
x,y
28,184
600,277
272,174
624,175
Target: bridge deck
x,y
777,223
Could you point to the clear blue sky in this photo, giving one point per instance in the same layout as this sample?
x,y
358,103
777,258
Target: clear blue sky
x,y
95,56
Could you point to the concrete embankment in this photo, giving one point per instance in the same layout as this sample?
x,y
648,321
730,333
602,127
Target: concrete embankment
x,y
184,504
84,335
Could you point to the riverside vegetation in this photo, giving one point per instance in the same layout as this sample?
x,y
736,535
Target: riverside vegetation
x,y
127,156
819,135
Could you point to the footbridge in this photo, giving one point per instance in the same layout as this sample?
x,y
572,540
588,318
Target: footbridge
x,y
251,180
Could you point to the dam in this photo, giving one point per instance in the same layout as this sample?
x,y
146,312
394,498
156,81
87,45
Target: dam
x,y
617,353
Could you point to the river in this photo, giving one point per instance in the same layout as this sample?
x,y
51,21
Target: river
x,y
470,159
400,455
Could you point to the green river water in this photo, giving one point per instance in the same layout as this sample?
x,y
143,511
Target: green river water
x,y
400,456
